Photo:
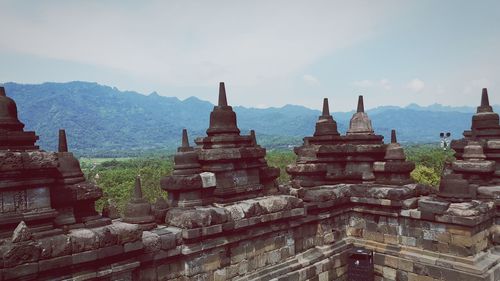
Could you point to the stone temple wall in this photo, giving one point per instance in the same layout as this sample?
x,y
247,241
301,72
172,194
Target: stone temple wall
x,y
227,219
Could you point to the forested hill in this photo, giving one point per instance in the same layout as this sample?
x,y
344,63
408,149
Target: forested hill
x,y
101,120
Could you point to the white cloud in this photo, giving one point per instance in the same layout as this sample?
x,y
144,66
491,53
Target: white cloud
x,y
386,84
310,79
383,84
183,43
475,86
416,85
364,83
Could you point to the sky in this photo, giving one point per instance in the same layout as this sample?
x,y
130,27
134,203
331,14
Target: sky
x,y
268,53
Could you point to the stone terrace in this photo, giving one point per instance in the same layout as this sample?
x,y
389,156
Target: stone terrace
x,y
227,219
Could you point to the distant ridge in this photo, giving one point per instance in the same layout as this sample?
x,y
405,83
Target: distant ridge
x,y
104,120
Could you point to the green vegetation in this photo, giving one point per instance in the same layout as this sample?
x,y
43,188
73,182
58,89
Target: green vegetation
x,y
281,159
116,176
429,162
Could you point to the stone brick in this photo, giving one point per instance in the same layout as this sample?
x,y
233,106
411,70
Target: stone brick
x,y
220,275
148,274
443,247
405,265
408,241
238,254
462,241
20,271
84,257
58,262
133,246
391,261
341,270
356,232
444,237
390,239
389,273
323,276
458,230
167,241
243,267
374,236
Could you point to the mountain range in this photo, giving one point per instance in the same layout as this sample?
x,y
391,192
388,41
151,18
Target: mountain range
x,y
104,121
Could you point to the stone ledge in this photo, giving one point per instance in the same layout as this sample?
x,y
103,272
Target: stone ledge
x,y
203,220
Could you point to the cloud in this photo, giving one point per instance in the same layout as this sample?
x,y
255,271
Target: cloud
x,y
416,85
386,84
310,79
364,83
475,86
183,43
383,84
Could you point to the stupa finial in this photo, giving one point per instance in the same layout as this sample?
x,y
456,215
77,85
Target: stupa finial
x,y
361,106
138,188
252,135
394,139
326,107
485,101
185,140
222,95
63,143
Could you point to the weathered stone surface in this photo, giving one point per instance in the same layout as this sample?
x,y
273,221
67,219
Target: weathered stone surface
x,y
194,218
180,182
360,123
22,233
410,203
433,206
306,168
138,209
151,241
125,232
19,253
55,246
208,179
325,193
271,204
469,209
473,166
110,210
105,236
159,210
489,191
83,240
382,192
